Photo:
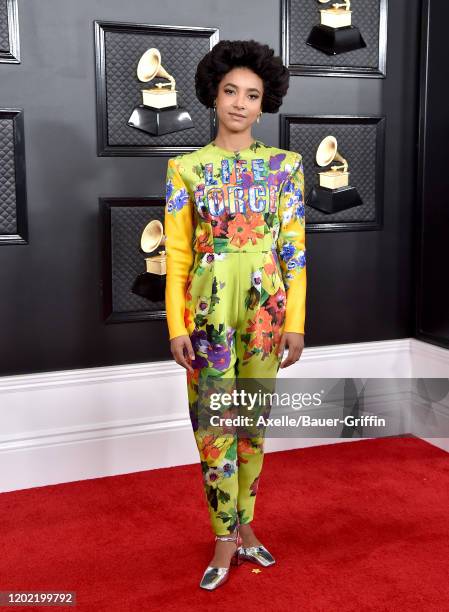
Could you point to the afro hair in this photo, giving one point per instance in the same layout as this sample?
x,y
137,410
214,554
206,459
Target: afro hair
x,y
229,54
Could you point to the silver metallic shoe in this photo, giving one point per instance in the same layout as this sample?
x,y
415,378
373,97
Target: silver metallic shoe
x,y
213,577
257,554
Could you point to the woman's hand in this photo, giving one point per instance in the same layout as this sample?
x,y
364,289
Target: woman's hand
x,y
181,348
295,344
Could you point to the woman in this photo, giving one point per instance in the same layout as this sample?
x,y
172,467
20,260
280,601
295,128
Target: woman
x,y
236,277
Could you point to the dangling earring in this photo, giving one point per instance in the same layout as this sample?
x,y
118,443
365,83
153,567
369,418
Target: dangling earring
x,y
259,116
215,114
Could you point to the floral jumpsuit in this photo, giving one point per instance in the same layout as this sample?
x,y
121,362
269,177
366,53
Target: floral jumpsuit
x,y
236,280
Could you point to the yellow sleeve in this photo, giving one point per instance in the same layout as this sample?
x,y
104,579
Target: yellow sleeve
x,y
178,230
292,248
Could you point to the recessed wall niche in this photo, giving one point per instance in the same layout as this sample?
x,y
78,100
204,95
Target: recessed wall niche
x,y
9,32
360,141
300,22
118,49
123,221
13,192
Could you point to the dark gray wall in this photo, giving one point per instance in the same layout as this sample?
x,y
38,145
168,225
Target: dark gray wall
x,y
359,284
432,309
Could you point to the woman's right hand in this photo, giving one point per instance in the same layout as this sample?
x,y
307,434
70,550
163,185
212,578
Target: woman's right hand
x,y
181,349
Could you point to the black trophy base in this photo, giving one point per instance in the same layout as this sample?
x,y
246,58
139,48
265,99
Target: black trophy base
x,y
333,200
333,41
157,121
150,286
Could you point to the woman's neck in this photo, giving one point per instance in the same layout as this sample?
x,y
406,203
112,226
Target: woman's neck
x,y
234,142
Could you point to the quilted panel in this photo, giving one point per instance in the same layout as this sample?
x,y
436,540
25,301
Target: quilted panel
x,y
179,56
357,143
304,15
4,33
127,225
8,200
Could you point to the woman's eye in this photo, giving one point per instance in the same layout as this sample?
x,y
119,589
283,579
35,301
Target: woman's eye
x,y
252,96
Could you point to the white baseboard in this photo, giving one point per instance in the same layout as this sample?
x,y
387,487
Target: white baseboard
x,y
80,424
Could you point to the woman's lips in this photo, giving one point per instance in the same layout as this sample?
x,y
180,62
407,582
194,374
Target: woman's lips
x,y
236,116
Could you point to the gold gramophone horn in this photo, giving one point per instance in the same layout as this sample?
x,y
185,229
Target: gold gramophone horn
x,y
327,152
149,66
152,236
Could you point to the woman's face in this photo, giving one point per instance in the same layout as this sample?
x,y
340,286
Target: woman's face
x,y
239,99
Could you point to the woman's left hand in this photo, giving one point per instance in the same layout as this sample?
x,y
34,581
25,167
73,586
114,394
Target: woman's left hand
x,y
295,344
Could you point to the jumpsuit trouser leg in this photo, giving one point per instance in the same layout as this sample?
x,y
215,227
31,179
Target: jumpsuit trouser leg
x,y
235,311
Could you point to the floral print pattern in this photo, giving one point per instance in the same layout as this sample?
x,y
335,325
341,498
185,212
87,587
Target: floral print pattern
x,y
236,266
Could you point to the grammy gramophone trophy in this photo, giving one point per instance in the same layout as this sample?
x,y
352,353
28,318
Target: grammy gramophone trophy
x,y
333,193
159,113
151,284
335,33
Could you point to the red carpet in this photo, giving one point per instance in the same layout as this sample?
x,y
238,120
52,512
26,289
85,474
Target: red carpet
x,y
357,526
